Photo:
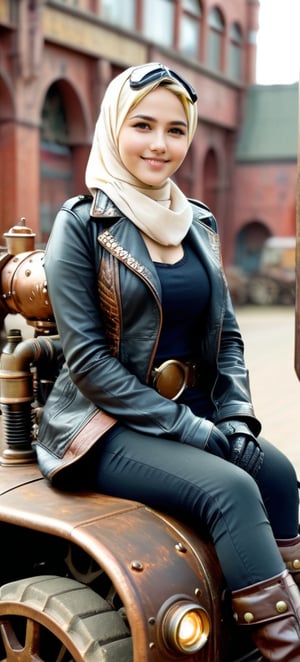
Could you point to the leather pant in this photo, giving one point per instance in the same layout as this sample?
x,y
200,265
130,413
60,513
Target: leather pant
x,y
242,517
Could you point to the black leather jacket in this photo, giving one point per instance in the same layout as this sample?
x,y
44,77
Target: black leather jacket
x,y
106,299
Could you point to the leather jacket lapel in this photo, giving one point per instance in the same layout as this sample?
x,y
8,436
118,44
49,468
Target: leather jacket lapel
x,y
115,239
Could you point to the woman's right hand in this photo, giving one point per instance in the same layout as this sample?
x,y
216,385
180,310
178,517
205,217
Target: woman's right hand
x,y
213,440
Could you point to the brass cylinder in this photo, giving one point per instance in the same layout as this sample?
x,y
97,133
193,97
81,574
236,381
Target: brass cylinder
x,y
15,386
19,239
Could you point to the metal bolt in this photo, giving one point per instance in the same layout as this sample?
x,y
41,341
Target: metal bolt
x,y
137,565
180,547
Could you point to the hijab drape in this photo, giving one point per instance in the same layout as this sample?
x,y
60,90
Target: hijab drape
x,y
163,213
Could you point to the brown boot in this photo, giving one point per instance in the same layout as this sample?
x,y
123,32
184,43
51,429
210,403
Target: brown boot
x,y
290,552
272,608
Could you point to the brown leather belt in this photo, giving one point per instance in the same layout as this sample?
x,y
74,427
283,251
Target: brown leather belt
x,y
172,377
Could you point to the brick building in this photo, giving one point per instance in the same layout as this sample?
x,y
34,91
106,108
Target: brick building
x,y
265,171
56,59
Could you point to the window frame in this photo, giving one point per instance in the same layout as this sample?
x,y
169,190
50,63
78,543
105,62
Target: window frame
x,y
235,51
216,40
196,19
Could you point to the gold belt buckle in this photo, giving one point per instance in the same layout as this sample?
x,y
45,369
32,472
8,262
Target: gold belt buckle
x,y
170,378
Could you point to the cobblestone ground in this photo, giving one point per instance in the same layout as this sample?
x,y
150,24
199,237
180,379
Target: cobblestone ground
x,y
269,352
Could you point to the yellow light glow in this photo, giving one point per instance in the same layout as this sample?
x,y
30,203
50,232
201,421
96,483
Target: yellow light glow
x,y
191,630
186,627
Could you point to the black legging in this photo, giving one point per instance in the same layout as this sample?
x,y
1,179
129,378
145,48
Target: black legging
x,y
242,516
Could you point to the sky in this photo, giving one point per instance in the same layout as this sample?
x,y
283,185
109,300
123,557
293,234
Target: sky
x,y
278,42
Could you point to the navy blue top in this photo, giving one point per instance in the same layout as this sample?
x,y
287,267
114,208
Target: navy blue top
x,y
185,298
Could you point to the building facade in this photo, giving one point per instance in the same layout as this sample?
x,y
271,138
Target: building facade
x,y
56,59
265,172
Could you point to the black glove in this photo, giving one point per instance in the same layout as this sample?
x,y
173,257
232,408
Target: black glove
x,y
218,444
245,450
212,440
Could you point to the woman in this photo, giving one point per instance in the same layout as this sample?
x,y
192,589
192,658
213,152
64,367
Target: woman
x,y
153,402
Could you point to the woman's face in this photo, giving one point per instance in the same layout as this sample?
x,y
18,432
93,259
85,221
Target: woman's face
x,y
153,139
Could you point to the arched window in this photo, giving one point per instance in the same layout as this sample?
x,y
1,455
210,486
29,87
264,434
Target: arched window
x,y
190,27
118,13
216,38
249,245
210,180
235,51
158,20
55,160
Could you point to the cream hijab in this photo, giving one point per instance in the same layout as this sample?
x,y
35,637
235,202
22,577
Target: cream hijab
x,y
163,214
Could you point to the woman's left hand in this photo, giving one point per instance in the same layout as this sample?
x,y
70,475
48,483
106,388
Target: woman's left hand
x,y
245,451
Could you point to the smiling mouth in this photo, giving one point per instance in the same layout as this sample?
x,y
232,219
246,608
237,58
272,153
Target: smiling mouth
x,y
153,161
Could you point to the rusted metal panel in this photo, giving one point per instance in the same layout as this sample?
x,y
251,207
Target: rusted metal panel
x,y
13,477
149,556
159,558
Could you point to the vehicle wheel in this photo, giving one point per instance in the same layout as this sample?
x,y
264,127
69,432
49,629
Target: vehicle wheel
x,y
56,619
263,291
288,296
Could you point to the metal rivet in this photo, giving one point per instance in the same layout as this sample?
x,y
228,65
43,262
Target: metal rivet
x,y
151,620
281,606
296,564
180,547
152,644
137,565
248,617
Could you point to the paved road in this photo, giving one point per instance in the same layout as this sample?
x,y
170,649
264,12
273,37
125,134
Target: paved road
x,y
269,352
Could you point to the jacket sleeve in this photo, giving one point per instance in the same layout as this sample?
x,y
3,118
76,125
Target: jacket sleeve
x,y
231,394
223,345
71,266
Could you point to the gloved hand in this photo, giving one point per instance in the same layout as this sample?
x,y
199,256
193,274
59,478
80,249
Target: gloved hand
x,y
211,439
218,444
245,450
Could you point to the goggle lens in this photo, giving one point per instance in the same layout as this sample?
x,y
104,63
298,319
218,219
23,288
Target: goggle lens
x,y
150,73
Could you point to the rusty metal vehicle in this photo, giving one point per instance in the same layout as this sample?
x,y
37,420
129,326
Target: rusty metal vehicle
x,y
274,282
83,576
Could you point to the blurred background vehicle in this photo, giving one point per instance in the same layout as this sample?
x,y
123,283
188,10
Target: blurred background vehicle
x,y
274,281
